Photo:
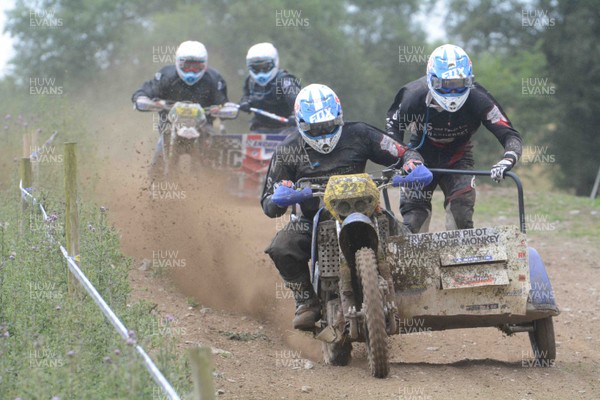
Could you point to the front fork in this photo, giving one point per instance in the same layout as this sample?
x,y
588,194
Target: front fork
x,y
354,320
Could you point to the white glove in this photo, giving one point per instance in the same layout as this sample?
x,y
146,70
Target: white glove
x,y
502,166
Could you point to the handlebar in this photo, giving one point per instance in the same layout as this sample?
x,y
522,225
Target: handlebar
x,y
510,174
319,183
267,114
225,111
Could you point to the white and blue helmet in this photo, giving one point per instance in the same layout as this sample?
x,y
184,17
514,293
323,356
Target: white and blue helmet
x,y
263,62
191,61
318,115
449,76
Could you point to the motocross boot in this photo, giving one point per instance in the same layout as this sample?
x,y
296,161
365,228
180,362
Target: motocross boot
x,y
308,310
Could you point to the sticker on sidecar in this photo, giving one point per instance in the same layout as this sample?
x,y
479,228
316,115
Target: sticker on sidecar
x,y
469,276
482,307
472,259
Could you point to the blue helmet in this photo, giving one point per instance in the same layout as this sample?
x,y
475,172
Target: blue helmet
x,y
449,76
318,115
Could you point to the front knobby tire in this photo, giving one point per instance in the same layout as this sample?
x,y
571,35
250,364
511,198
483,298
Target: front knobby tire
x,y
376,337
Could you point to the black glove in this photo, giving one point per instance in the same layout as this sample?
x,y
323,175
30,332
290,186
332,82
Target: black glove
x,y
245,106
291,121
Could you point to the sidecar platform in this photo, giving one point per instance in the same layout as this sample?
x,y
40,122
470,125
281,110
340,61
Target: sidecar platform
x,y
469,278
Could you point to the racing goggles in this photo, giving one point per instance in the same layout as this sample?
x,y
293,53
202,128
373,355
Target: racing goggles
x,y
261,66
321,128
192,65
446,86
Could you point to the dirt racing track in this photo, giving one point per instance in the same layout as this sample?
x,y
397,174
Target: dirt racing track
x,y
211,245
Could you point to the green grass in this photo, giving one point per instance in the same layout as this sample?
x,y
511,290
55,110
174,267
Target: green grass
x,y
547,213
54,341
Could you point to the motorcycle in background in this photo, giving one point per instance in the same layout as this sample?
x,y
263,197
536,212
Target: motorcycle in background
x,y
187,130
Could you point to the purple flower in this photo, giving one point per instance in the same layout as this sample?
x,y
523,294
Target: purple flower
x,y
70,353
169,318
117,352
107,360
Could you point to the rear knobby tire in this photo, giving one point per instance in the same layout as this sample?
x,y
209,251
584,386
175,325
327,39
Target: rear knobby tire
x,y
542,341
376,336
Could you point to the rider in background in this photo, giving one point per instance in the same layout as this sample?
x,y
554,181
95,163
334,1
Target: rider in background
x,y
322,145
268,88
190,79
441,112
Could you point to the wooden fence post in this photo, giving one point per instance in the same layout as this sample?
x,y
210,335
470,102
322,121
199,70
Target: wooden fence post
x,y
71,212
200,359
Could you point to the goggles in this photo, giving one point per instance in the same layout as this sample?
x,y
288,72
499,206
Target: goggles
x,y
261,66
321,128
446,86
191,65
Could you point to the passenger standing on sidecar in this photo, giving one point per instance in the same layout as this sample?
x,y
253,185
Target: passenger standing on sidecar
x,y
322,145
268,88
190,79
441,112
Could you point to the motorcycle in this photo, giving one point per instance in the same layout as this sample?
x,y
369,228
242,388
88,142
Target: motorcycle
x,y
368,272
349,269
187,131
